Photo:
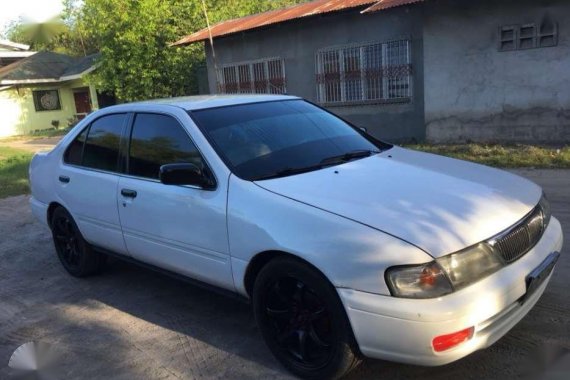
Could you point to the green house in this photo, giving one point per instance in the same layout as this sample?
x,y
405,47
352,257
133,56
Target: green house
x,y
45,91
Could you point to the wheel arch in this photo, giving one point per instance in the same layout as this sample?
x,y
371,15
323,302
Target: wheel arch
x,y
51,208
261,259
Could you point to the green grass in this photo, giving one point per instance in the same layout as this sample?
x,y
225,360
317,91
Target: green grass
x,y
14,171
504,156
50,132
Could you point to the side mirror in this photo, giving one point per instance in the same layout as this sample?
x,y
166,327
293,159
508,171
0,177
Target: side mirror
x,y
363,129
185,174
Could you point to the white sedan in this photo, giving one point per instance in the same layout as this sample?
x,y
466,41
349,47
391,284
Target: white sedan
x,y
346,246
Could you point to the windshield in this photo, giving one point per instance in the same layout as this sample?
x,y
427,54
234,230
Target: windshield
x,y
275,139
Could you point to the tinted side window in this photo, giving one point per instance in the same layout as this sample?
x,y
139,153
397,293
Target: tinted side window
x,y
102,146
157,140
75,149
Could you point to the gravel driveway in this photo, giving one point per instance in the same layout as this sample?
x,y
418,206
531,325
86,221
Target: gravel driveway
x,y
131,323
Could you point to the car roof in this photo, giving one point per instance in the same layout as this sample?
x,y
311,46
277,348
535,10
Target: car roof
x,y
190,103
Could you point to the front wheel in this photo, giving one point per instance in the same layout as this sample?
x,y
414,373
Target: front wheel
x,y
303,320
75,254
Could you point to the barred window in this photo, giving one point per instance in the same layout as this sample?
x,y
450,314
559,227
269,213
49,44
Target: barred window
x,y
364,73
266,76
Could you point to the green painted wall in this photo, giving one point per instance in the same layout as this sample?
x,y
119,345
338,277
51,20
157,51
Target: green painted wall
x,y
18,115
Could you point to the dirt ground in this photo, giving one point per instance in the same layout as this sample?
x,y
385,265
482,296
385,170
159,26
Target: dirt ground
x,y
31,144
130,323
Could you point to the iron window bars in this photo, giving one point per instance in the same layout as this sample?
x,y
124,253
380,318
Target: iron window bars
x,y
364,73
265,76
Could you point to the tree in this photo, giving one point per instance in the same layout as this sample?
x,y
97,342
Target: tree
x,y
133,37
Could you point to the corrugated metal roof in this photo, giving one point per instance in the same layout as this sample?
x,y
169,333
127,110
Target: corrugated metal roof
x,y
312,8
386,4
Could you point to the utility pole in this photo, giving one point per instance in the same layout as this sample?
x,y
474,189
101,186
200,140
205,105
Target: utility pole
x,y
211,42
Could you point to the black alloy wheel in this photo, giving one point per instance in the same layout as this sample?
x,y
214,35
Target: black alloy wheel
x,y
66,242
303,321
75,254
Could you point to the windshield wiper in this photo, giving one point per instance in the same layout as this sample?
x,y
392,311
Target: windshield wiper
x,y
348,156
290,171
329,161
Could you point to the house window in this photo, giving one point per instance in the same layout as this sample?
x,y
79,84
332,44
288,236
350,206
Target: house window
x,y
548,34
527,36
266,76
507,38
365,73
47,100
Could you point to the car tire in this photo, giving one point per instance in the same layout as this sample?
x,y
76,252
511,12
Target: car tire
x,y
74,253
303,321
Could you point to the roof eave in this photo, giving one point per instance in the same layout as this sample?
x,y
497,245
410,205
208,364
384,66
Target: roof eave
x,y
16,54
78,76
28,81
383,5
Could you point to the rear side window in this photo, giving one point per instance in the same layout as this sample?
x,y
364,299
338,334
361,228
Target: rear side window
x,y
74,152
157,140
103,141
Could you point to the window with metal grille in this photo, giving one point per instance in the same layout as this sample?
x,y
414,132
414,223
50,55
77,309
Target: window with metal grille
x,y
265,76
364,73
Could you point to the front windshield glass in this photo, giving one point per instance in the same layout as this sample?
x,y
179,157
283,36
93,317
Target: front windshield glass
x,y
275,139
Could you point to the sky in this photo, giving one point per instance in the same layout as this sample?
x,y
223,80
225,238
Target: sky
x,y
36,10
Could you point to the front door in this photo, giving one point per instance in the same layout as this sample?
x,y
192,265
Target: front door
x,y
82,102
179,228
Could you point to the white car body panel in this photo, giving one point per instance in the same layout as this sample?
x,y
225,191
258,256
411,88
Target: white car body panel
x,y
92,195
350,254
182,230
439,204
351,222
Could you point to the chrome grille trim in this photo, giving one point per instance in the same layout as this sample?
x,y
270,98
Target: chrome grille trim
x,y
515,242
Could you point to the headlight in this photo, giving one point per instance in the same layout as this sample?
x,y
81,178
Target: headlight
x,y
472,264
418,281
444,275
545,207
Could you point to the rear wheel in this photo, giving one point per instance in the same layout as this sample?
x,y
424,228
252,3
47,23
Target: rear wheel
x,y
303,321
77,257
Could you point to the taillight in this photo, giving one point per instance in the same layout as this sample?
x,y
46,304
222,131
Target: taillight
x,y
445,342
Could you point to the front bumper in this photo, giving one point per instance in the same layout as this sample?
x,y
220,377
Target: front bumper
x,y
402,330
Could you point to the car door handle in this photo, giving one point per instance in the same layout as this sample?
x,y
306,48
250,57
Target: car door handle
x,y
64,179
128,193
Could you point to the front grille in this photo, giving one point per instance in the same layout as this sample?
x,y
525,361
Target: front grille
x,y
519,239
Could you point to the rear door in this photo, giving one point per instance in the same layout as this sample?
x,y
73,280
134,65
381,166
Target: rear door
x,y
179,228
88,180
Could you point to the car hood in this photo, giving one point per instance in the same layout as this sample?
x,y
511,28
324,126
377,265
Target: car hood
x,y
439,204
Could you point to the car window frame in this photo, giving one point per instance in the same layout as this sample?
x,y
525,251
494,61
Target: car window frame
x,y
230,166
127,148
118,165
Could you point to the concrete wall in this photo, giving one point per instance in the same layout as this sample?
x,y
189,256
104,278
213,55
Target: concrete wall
x,y
474,92
20,117
298,41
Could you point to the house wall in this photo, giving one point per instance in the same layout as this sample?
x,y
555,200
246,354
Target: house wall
x,y
20,117
475,92
298,41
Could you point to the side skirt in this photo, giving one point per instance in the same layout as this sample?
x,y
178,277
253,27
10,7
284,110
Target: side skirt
x,y
176,276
